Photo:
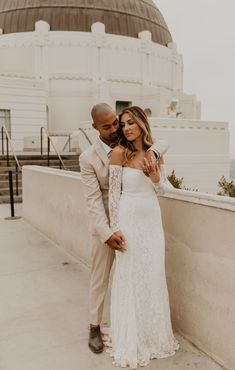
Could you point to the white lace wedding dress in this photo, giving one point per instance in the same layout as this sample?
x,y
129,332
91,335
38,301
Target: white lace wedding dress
x,y
140,316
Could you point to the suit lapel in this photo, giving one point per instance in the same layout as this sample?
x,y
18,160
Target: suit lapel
x,y
101,152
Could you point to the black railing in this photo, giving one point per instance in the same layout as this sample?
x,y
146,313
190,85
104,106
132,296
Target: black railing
x,y
11,192
6,136
3,138
49,142
85,134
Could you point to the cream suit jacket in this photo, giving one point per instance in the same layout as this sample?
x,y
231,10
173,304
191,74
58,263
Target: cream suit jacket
x,y
94,165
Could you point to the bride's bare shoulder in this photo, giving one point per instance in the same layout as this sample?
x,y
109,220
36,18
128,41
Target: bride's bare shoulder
x,y
117,156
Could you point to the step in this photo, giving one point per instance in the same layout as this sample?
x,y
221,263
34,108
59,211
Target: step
x,y
4,185
5,181
35,162
4,169
38,156
5,191
3,163
6,199
39,163
4,175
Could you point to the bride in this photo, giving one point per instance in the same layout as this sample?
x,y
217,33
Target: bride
x,y
140,315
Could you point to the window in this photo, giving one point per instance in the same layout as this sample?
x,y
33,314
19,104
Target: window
x,y
5,119
120,105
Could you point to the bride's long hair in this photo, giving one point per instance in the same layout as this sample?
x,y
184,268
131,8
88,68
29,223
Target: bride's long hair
x,y
139,117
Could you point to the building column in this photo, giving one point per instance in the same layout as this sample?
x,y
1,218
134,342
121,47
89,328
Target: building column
x,y
100,83
146,49
41,42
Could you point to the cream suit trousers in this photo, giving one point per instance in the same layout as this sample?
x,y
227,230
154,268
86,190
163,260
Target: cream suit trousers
x,y
102,258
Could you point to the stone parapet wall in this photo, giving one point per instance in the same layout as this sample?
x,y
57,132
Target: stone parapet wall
x,y
200,253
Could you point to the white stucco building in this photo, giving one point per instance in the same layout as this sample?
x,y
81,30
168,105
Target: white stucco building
x,y
58,58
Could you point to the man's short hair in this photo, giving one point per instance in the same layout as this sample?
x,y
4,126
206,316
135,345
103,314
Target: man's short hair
x,y
101,108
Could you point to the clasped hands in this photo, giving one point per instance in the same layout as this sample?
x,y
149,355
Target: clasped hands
x,y
117,241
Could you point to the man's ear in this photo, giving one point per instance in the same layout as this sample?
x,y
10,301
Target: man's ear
x,y
94,126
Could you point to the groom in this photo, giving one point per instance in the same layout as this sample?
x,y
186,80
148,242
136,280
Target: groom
x,y
94,165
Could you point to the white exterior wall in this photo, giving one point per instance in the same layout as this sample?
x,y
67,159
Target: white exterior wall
x,y
27,101
71,71
200,254
198,151
83,68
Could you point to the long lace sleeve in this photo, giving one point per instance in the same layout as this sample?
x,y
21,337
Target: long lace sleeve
x,y
115,181
164,185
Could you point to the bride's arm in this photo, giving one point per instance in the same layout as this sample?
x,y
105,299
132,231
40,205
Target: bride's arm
x,y
115,181
115,185
155,170
164,185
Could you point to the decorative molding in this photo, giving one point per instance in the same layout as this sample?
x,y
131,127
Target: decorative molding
x,y
67,76
89,39
17,75
14,43
74,42
86,94
185,127
41,39
124,79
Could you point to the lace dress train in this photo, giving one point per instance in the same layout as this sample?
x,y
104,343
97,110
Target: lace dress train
x,y
140,315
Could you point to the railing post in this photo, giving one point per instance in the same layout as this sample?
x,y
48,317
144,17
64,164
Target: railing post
x,y
2,130
12,217
17,185
11,194
49,142
9,142
7,153
48,152
41,141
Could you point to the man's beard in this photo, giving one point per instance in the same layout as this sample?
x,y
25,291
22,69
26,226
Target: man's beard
x,y
114,138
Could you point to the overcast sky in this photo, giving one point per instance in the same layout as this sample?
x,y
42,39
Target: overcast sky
x,y
204,31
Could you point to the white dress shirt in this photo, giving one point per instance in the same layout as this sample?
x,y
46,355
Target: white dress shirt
x,y
107,148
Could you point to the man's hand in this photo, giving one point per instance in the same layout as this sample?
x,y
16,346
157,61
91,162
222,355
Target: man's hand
x,y
117,241
151,168
152,154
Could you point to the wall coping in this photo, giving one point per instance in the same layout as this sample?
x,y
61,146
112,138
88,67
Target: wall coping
x,y
205,199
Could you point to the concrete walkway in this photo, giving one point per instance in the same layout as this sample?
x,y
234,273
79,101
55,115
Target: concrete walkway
x,y
44,308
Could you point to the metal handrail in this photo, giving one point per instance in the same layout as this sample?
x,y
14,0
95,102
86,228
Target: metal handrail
x,y
67,142
11,145
62,133
48,147
86,136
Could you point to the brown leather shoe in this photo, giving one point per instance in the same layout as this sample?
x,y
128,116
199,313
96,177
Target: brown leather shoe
x,y
95,340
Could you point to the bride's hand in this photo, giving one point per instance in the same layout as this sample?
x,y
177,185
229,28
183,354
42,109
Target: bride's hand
x,y
151,169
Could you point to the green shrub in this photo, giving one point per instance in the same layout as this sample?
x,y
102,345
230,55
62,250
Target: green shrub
x,y
228,187
177,183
